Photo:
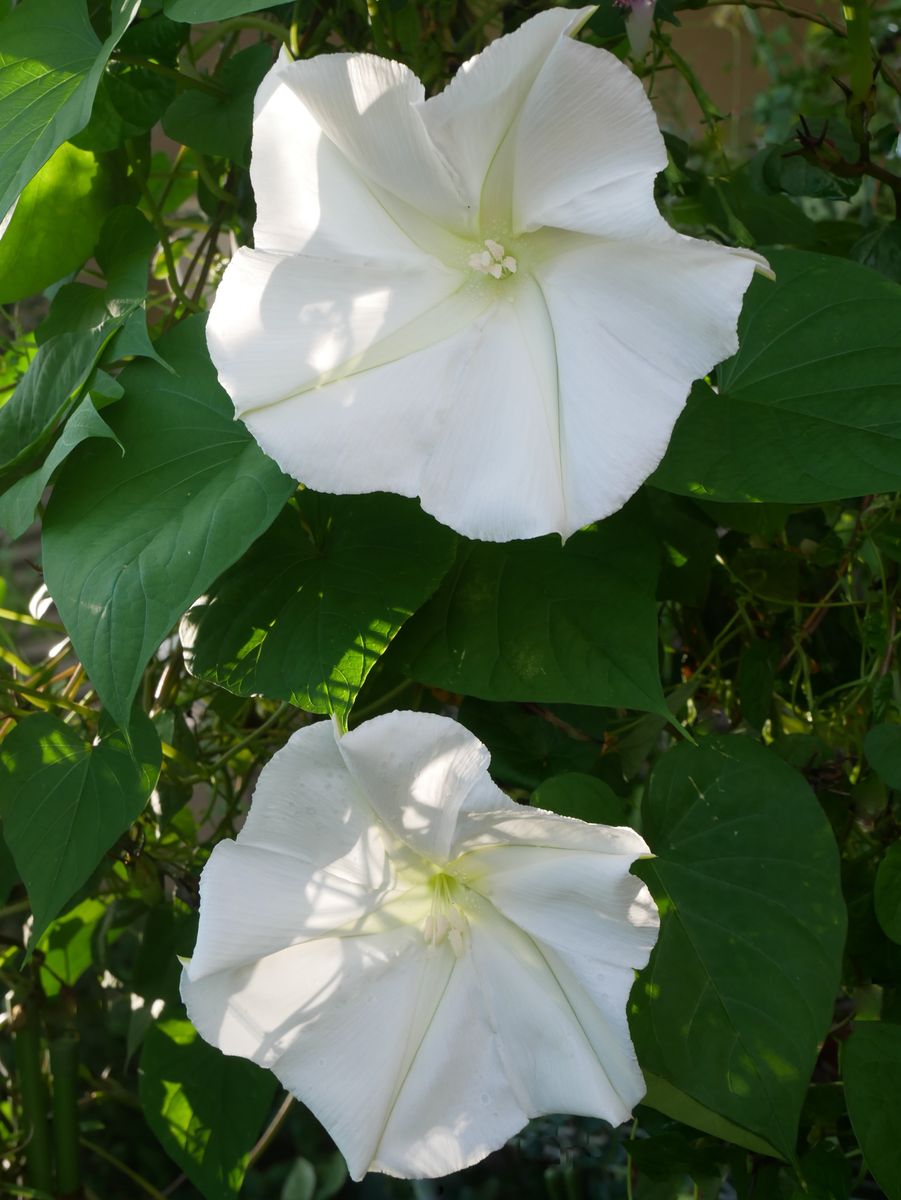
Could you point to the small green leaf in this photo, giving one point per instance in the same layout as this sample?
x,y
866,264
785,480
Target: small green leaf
x,y
220,125
50,64
755,681
887,892
301,1181
580,796
807,410
18,504
67,946
740,988
56,223
131,541
81,324
64,803
882,746
205,1108
308,611
538,621
871,1066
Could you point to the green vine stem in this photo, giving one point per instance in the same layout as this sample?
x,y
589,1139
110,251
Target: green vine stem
x,y
64,1068
33,1092
857,20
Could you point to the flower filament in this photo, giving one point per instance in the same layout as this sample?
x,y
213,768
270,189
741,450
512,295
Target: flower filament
x,y
446,919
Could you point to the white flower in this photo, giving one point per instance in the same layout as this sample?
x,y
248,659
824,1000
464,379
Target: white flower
x,y
423,962
473,298
639,22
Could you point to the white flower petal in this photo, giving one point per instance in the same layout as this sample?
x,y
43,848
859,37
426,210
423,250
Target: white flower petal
x,y
585,125
306,806
585,1067
456,1104
368,107
336,1019
503,424
257,902
418,770
375,429
578,902
635,324
470,118
284,324
308,196
482,825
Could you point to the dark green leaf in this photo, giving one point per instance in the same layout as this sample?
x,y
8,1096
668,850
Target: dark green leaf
x,y
220,125
526,748
56,223
308,611
542,622
211,10
9,876
808,408
882,746
130,542
139,95
687,542
18,504
783,169
871,1066
887,892
740,987
666,1098
756,678
582,797
64,803
205,1108
50,64
155,37
880,249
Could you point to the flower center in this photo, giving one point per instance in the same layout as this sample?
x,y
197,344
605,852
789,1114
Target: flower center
x,y
493,260
446,919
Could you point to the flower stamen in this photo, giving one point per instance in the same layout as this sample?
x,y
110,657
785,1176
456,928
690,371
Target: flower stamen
x,y
494,260
446,919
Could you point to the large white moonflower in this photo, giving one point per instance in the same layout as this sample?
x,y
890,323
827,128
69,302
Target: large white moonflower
x,y
472,298
423,962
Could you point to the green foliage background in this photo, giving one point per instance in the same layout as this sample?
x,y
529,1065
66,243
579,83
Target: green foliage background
x,y
715,665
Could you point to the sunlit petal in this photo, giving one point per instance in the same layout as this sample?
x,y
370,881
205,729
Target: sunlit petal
x,y
469,120
641,321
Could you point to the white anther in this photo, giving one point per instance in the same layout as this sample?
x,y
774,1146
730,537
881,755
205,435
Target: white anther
x,y
493,261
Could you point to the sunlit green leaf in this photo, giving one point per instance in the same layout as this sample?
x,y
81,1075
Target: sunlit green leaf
x,y
205,1108
50,64
306,614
